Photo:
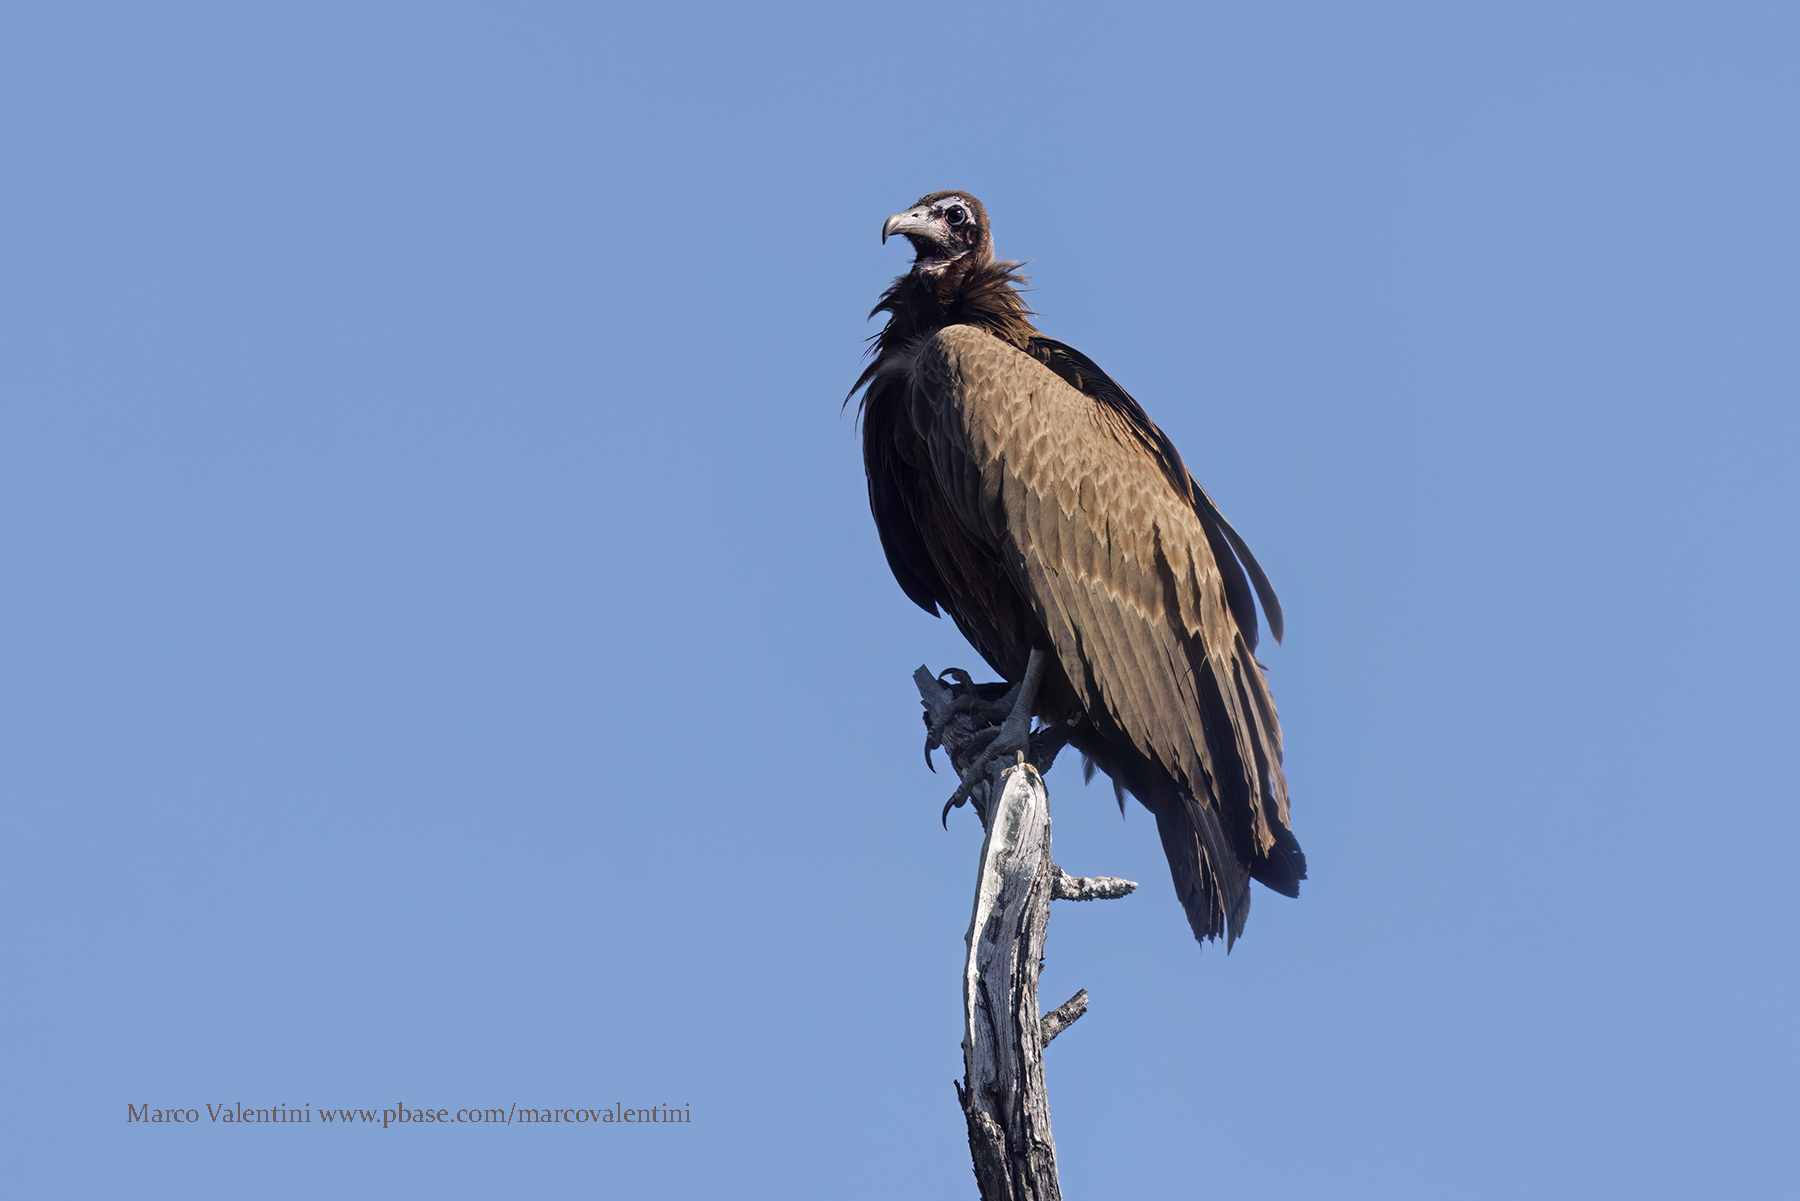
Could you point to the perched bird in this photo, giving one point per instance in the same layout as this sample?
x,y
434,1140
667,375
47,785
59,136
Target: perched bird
x,y
1019,489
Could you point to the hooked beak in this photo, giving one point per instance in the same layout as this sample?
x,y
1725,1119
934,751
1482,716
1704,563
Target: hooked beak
x,y
913,221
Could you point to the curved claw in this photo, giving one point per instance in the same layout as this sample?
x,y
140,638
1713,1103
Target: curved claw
x,y
928,762
960,797
957,674
965,789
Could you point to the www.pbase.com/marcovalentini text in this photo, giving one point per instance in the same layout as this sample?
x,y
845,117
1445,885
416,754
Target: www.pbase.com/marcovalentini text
x,y
401,1115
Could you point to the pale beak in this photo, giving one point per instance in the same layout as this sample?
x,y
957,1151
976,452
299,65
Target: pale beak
x,y
914,221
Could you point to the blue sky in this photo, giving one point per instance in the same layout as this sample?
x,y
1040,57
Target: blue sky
x,y
448,659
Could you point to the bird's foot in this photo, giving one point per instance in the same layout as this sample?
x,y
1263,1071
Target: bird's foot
x,y
1011,738
986,704
990,712
980,724
973,709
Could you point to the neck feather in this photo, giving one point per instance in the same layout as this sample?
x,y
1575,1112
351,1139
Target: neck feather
x,y
978,291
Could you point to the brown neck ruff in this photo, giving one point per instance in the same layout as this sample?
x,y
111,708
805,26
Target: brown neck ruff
x,y
975,289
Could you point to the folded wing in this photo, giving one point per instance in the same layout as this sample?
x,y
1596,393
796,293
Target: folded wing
x,y
1120,570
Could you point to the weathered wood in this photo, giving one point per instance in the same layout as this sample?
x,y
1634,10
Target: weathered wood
x,y
1062,1017
1002,1092
1090,888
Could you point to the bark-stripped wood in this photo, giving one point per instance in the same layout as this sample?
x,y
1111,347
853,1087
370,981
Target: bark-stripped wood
x,y
1062,1017
1002,1093
1091,888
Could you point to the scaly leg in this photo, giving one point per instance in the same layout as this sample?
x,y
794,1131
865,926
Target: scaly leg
x,y
1014,737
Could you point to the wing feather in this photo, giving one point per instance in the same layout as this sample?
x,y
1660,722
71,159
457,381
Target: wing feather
x,y
1122,570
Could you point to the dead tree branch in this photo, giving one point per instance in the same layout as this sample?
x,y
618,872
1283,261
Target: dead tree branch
x,y
1002,1091
1062,1017
1090,888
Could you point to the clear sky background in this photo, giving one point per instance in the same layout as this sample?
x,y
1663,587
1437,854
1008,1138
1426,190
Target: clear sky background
x,y
447,657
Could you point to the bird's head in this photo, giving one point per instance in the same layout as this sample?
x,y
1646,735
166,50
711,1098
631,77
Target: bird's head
x,y
943,228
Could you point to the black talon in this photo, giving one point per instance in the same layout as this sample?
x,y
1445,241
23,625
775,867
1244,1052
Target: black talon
x,y
978,728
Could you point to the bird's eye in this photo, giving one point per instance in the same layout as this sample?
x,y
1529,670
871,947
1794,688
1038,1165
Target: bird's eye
x,y
955,214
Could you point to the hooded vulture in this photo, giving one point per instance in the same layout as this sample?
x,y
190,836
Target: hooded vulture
x,y
1018,488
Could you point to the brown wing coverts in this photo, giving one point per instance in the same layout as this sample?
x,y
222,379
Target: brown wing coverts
x,y
1082,373
1121,572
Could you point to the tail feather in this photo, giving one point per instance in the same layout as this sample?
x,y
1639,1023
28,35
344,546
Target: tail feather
x,y
1210,866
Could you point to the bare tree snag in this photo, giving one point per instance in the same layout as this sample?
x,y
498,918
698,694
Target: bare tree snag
x,y
1002,1091
1003,1084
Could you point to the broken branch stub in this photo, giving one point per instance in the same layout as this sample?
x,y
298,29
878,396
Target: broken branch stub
x,y
1090,888
1062,1017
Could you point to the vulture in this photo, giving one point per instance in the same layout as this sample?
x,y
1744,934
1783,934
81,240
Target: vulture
x,y
1018,488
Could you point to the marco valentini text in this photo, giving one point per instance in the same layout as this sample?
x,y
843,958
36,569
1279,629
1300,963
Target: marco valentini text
x,y
401,1115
